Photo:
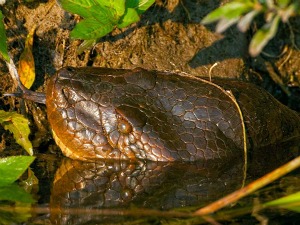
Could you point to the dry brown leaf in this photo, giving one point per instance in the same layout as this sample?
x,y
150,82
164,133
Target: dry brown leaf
x,y
26,67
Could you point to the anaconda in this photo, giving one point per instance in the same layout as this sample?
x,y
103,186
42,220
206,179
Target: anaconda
x,y
161,116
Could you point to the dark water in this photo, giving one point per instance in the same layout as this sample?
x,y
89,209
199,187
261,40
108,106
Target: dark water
x,y
121,192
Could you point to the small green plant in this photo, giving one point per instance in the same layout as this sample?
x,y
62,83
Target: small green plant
x,y
243,12
18,125
102,16
3,45
11,168
12,121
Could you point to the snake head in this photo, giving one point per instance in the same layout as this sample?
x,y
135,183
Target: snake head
x,y
101,113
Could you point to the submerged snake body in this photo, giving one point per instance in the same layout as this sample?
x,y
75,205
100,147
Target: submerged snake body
x,y
128,114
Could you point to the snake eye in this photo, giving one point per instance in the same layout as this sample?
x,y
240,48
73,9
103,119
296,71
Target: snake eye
x,y
124,127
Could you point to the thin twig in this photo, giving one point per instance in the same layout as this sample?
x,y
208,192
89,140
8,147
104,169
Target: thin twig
x,y
210,70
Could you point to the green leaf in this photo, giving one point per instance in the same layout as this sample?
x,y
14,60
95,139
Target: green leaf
x,y
80,7
132,4
11,168
100,22
18,125
140,5
86,44
92,8
15,193
131,16
291,202
90,28
3,45
263,35
117,5
144,5
103,15
232,10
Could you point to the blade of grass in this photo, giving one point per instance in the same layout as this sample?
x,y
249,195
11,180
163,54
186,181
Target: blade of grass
x,y
291,202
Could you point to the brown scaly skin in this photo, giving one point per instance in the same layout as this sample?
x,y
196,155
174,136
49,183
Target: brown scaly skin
x,y
159,116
